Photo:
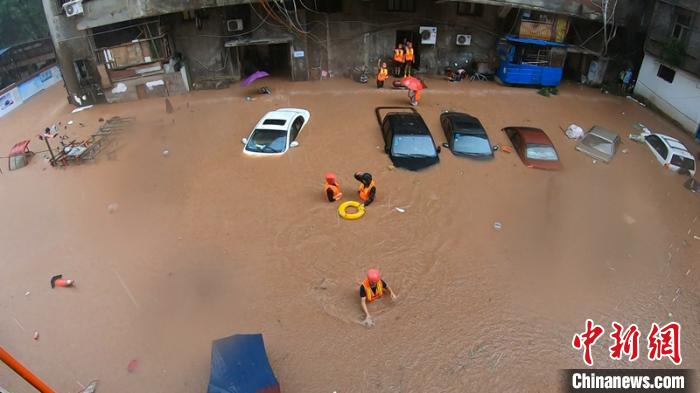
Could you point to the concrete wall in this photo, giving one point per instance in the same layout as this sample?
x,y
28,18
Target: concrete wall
x,y
71,44
680,100
202,48
662,25
354,43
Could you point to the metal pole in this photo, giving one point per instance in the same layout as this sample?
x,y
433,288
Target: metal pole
x,y
53,158
24,372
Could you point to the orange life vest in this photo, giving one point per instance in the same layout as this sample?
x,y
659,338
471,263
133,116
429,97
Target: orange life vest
x,y
337,194
364,191
372,296
409,54
383,74
399,55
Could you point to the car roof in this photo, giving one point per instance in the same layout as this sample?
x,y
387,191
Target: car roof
x,y
675,146
463,121
603,133
279,114
407,123
533,135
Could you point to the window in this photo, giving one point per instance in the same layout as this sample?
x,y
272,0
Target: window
x,y
658,145
296,127
81,69
683,162
541,152
401,5
681,27
274,122
413,146
666,73
470,9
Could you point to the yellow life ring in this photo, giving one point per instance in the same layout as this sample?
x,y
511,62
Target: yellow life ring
x,y
342,210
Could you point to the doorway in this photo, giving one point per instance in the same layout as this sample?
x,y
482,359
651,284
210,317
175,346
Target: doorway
x,y
274,59
403,36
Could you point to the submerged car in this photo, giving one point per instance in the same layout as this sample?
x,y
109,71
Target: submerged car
x,y
465,136
276,132
600,144
670,152
407,139
534,147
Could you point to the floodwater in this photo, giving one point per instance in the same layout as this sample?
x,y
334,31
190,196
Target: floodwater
x,y
206,242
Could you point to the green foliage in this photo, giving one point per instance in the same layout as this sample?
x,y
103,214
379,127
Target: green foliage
x,y
674,51
21,21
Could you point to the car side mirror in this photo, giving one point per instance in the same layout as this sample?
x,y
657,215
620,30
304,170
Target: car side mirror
x,y
494,147
244,141
446,145
294,144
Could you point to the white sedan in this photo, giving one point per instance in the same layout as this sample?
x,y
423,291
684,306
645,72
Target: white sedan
x,y
670,152
276,132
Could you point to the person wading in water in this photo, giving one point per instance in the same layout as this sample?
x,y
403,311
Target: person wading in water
x,y
373,288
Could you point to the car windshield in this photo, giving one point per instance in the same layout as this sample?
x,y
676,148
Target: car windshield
x,y
413,146
471,144
267,141
598,143
683,162
541,152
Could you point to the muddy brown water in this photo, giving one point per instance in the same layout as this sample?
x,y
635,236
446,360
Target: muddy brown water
x,y
207,242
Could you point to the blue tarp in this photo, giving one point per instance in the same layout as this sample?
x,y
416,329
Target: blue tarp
x,y
534,41
239,365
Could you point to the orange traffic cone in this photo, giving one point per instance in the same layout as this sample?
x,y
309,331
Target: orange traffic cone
x,y
58,281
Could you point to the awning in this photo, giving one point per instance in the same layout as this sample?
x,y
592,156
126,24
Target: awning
x,y
257,41
533,41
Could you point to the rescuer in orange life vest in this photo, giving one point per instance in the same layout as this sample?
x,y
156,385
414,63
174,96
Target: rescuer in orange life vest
x,y
332,188
399,59
373,288
382,75
368,188
409,58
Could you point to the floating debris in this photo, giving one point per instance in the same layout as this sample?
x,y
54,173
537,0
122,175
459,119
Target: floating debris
x,y
82,108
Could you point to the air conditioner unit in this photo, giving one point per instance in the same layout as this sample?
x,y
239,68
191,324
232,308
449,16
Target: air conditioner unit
x,y
464,39
234,24
73,8
428,35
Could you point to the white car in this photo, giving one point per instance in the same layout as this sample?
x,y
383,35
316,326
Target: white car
x,y
670,152
276,132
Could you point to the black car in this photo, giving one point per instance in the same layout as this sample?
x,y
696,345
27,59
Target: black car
x,y
465,135
407,138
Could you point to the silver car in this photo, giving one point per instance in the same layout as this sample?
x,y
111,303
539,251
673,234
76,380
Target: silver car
x,y
600,144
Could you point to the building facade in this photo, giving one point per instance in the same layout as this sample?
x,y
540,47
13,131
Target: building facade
x,y
670,74
161,47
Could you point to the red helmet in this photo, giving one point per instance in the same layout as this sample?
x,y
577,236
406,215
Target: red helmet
x,y
373,275
330,177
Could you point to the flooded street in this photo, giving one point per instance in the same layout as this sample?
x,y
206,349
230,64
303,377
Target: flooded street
x,y
205,242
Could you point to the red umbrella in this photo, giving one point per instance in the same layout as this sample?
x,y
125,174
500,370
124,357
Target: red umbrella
x,y
413,83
